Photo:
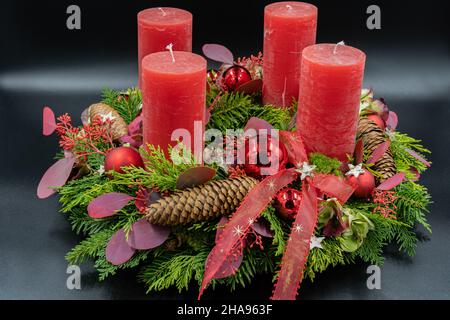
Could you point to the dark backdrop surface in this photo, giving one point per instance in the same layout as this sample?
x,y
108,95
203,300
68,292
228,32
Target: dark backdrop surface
x,y
44,63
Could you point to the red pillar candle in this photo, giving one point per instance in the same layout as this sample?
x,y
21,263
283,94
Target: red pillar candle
x,y
289,27
330,89
174,97
158,27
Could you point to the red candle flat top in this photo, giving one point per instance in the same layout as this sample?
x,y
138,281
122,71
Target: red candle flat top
x,y
333,55
185,63
164,16
291,9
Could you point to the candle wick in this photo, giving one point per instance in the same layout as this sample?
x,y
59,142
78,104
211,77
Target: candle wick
x,y
163,12
340,43
289,7
170,48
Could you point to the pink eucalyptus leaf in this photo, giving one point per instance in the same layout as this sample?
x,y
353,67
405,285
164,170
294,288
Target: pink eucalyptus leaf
x,y
144,235
118,251
222,222
195,176
135,126
218,53
359,151
392,182
392,121
262,229
107,204
257,124
418,157
85,118
48,121
55,176
230,265
251,87
379,151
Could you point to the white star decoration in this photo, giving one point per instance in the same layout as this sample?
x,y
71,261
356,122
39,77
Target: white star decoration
x,y
355,170
251,221
298,228
238,231
107,116
305,169
315,242
271,185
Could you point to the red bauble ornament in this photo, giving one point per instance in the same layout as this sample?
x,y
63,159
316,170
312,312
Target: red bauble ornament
x,y
122,157
377,119
274,151
234,77
365,184
287,202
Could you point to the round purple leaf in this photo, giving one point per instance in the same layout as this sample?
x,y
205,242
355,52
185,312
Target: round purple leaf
x,y
49,122
250,87
55,176
218,53
118,251
144,235
107,204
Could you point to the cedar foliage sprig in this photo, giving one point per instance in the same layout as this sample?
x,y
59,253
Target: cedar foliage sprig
x,y
127,103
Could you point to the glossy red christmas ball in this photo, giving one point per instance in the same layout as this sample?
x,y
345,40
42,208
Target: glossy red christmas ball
x,y
364,182
287,202
377,119
261,162
121,157
235,76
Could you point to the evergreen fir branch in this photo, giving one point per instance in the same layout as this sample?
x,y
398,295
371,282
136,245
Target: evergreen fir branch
x,y
90,248
174,268
79,192
106,269
82,223
330,255
126,103
231,111
400,142
279,118
412,202
280,234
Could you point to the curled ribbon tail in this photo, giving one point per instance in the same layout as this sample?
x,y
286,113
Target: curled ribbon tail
x,y
297,248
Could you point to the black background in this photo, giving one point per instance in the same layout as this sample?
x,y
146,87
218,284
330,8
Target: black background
x,y
44,63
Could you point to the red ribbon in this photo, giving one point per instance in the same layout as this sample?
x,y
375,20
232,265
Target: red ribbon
x,y
297,248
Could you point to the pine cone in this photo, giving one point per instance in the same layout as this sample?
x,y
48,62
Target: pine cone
x,y
372,136
119,127
199,203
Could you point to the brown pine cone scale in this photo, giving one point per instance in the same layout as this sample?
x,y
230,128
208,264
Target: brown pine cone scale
x,y
372,136
213,199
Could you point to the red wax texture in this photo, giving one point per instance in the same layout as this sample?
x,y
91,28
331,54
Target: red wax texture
x,y
330,90
289,27
157,27
173,95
